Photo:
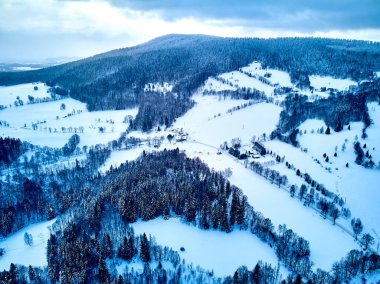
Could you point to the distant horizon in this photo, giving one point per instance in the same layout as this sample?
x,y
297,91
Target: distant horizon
x,y
65,59
34,30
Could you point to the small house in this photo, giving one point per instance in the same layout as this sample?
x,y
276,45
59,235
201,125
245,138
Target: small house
x,y
259,148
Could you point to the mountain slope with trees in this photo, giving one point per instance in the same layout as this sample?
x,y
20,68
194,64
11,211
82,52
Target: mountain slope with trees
x,y
115,80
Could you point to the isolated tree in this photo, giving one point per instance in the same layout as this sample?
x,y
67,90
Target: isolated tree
x,y
328,131
63,106
170,138
357,227
334,213
339,126
292,190
28,239
302,192
236,142
359,153
367,240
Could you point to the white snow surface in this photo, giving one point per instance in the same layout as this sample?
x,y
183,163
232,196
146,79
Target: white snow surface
x,y
9,94
276,204
206,133
203,127
329,82
212,84
241,80
356,184
119,157
277,76
213,250
17,252
49,130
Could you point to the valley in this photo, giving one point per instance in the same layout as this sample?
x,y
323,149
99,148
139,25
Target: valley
x,y
315,188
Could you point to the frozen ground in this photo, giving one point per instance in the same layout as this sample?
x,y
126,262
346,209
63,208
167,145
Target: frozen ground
x,y
276,76
212,84
53,125
329,82
276,204
9,94
358,185
254,120
119,157
18,252
241,80
213,250
209,122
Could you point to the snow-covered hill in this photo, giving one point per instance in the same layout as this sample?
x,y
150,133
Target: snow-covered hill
x,y
215,121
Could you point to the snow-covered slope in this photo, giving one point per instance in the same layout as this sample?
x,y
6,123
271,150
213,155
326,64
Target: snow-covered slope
x,y
238,79
329,82
9,94
213,250
274,76
17,252
51,124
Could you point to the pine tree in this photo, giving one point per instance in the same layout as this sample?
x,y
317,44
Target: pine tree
x,y
144,249
120,280
234,206
12,274
127,249
31,273
53,259
107,247
339,126
367,240
256,275
103,273
298,279
357,227
328,131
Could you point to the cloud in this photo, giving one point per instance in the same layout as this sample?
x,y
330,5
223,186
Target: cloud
x,y
92,26
300,15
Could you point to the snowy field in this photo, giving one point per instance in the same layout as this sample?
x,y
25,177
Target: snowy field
x,y
275,204
119,157
50,124
213,250
329,82
212,84
276,76
356,184
18,252
9,94
209,122
241,80
206,136
253,120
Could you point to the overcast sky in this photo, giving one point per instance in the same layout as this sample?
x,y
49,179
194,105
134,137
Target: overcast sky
x,y
35,30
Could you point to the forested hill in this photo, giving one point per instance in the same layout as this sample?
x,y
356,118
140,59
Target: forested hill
x,y
115,80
